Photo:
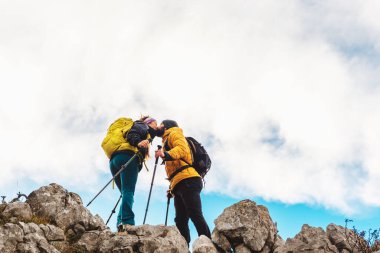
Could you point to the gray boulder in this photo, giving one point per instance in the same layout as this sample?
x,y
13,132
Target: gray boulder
x,y
17,211
67,226
203,244
10,235
341,237
147,239
30,228
63,208
245,226
53,233
311,240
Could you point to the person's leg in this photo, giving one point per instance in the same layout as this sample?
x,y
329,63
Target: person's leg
x,y
181,218
114,169
128,183
192,201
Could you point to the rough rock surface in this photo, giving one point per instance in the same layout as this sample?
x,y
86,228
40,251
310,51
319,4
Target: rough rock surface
x,y
63,208
204,245
17,211
310,239
245,227
55,220
146,238
340,237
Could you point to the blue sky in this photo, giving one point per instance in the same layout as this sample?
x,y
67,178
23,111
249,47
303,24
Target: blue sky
x,y
285,95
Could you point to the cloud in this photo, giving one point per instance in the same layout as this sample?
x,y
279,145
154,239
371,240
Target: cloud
x,y
284,95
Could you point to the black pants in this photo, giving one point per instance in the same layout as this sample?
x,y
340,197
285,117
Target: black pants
x,y
187,203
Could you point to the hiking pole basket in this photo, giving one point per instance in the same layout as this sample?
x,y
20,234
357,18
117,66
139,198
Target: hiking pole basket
x,y
151,184
113,210
121,169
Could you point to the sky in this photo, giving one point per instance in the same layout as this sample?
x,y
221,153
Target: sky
x,y
285,96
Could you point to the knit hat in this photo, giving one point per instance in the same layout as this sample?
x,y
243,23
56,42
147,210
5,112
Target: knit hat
x,y
168,123
149,120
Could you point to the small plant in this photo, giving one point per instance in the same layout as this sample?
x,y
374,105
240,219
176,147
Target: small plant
x,y
362,241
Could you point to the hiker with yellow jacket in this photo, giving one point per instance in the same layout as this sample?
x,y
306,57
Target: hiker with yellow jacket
x,y
185,182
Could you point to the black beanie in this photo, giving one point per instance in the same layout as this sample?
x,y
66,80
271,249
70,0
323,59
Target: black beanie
x,y
168,123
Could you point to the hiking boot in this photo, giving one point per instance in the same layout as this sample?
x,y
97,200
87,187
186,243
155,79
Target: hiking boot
x,y
124,227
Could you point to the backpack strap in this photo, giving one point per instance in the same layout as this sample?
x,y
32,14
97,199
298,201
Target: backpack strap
x,y
178,171
167,148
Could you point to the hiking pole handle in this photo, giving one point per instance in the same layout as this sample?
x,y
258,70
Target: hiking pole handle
x,y
158,148
121,169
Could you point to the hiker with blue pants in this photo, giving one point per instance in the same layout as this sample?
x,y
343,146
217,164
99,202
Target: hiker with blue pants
x,y
139,137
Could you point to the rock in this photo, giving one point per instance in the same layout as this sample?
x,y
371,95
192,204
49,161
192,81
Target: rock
x,y
45,247
242,249
53,233
90,240
222,241
30,228
79,229
67,226
247,224
36,240
27,247
146,238
17,211
310,240
61,246
10,235
63,208
339,237
2,207
203,244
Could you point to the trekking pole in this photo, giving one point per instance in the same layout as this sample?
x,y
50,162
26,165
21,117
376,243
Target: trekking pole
x,y
151,185
167,211
113,210
121,169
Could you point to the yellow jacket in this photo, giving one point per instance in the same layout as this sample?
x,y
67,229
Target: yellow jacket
x,y
179,149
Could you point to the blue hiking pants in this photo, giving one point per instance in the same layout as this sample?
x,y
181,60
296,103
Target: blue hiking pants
x,y
126,182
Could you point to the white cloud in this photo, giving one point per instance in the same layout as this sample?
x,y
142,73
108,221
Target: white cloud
x,y
285,94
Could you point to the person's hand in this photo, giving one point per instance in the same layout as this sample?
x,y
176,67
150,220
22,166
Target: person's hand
x,y
169,195
159,153
143,144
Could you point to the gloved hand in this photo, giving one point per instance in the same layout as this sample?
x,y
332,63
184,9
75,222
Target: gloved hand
x,y
169,195
143,144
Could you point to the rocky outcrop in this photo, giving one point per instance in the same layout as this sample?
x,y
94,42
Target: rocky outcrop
x,y
341,238
246,227
63,208
55,220
336,239
310,239
17,211
146,238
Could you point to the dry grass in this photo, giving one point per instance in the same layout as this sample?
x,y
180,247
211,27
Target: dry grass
x,y
38,220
